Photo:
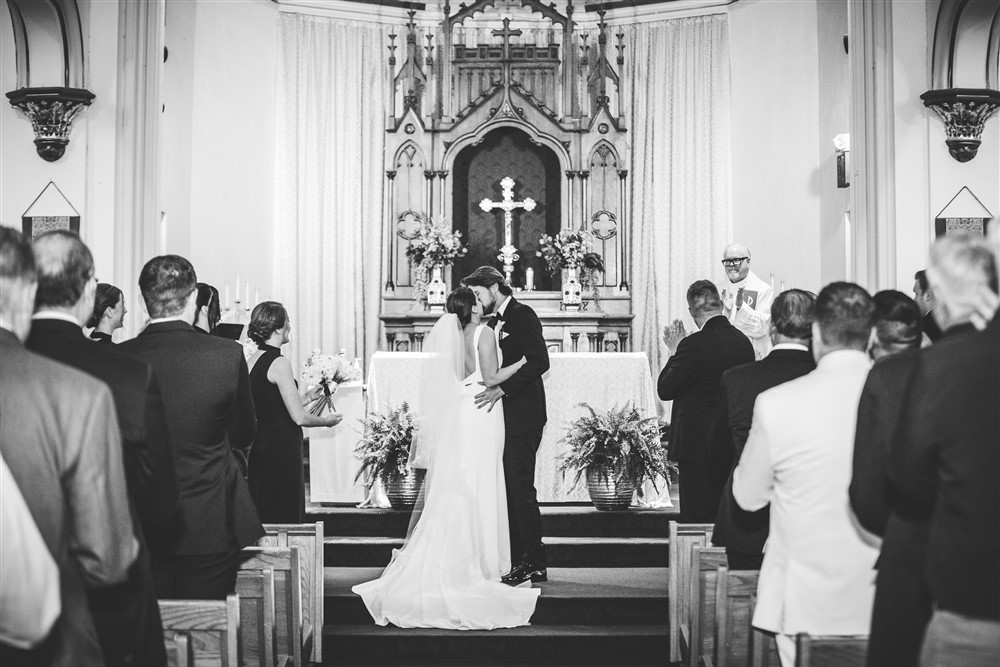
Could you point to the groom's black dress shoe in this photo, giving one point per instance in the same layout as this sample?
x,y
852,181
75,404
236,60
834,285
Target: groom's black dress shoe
x,y
523,572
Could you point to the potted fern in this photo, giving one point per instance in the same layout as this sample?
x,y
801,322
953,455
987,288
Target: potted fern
x,y
384,450
616,450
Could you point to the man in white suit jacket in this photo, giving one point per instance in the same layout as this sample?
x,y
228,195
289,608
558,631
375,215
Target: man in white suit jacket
x,y
818,573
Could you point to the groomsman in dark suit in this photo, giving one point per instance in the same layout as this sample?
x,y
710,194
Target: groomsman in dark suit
x,y
127,616
206,396
902,604
743,533
691,380
944,460
60,439
519,332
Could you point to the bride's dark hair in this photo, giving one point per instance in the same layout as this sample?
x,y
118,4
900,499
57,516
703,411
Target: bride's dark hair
x,y
461,301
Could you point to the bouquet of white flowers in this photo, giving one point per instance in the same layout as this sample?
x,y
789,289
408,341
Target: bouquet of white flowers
x,y
250,348
327,371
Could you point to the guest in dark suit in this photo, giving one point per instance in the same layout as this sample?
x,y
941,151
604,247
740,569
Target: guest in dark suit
x,y
108,313
691,380
743,533
207,313
206,396
520,336
127,616
60,439
944,460
924,297
902,604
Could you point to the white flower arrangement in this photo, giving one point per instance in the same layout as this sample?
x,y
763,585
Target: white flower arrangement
x,y
436,245
327,371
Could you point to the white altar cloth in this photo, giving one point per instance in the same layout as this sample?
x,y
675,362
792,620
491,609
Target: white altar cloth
x,y
603,380
332,465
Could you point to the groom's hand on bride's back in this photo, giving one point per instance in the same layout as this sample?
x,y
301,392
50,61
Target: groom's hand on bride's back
x,y
489,397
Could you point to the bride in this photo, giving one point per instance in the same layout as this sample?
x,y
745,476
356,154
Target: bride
x,y
447,574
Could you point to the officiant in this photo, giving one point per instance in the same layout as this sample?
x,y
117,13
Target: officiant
x,y
746,299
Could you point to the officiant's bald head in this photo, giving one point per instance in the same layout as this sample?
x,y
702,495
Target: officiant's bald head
x,y
736,260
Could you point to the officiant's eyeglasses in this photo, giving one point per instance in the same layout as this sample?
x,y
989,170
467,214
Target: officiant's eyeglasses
x,y
735,261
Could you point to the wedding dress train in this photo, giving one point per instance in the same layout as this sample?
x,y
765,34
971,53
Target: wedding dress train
x,y
447,575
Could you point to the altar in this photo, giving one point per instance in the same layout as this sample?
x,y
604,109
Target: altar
x,y
601,380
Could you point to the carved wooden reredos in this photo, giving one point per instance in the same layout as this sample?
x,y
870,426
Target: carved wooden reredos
x,y
507,65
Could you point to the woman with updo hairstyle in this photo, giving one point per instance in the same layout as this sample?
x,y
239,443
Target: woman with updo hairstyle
x,y
207,312
109,313
275,474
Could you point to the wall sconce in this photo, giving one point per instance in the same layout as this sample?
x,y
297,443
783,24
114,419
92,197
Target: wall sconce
x,y
842,144
965,93
49,80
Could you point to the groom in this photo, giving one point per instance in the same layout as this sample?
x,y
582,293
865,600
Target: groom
x,y
520,334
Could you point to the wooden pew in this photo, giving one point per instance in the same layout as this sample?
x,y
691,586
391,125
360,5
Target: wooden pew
x,y
683,536
308,537
201,633
255,589
698,629
830,650
284,562
737,642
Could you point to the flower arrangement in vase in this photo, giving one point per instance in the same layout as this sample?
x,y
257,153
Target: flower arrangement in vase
x,y
570,250
384,450
435,247
617,450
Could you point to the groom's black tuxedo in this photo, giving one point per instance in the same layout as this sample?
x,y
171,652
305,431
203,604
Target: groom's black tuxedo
x,y
524,394
520,333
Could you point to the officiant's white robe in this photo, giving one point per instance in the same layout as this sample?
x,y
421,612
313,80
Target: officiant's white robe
x,y
755,320
818,574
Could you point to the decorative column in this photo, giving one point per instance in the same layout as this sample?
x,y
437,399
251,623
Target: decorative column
x,y
137,159
623,229
570,190
584,192
569,64
390,213
442,196
429,194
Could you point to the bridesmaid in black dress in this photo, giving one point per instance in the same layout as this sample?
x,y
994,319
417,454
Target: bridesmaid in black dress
x,y
207,311
109,313
277,482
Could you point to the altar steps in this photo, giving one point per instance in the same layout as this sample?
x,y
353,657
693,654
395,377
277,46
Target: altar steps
x,y
605,602
611,552
557,521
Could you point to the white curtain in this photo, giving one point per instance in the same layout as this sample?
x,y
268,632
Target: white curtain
x,y
677,86
331,110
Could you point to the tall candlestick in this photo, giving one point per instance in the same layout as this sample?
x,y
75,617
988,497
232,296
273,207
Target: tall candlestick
x,y
237,287
256,296
247,294
529,279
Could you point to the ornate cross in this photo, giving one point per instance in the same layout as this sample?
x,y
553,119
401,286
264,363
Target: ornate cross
x,y
506,33
508,253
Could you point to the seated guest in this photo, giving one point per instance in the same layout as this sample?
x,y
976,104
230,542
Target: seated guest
x,y
275,467
818,571
60,439
924,298
944,460
206,397
746,299
743,534
691,380
108,314
208,314
902,601
29,578
127,616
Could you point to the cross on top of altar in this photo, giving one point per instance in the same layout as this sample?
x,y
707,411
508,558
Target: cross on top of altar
x,y
508,253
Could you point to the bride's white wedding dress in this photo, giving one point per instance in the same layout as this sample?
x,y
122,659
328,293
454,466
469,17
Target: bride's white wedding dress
x,y
447,575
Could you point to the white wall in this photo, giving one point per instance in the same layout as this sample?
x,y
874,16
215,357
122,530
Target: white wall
x,y
776,139
218,134
85,173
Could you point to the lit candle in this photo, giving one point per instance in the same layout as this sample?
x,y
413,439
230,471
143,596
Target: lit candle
x,y
227,295
529,279
237,287
246,295
772,282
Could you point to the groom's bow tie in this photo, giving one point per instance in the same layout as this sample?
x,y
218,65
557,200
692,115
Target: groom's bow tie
x,y
497,318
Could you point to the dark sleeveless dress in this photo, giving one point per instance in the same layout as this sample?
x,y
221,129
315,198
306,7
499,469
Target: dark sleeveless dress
x,y
277,482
